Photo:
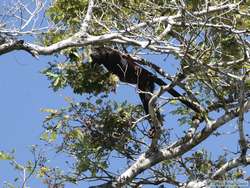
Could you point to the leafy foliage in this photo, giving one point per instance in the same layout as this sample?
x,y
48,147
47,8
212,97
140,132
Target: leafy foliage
x,y
211,49
91,131
81,77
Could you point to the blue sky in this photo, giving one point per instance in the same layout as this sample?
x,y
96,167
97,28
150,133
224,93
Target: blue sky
x,y
24,92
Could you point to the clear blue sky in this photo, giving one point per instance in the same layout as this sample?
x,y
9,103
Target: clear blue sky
x,y
24,91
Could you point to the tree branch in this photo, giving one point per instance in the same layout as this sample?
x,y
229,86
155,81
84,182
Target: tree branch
x,y
144,161
230,165
87,19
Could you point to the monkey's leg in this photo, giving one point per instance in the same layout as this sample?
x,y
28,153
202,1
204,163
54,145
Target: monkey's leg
x,y
145,97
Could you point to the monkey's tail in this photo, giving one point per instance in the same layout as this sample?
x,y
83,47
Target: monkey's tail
x,y
176,94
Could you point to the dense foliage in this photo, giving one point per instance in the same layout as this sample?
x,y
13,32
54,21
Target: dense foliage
x,y
208,42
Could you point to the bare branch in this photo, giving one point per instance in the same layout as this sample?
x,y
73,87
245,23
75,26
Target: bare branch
x,y
242,140
87,19
144,161
230,165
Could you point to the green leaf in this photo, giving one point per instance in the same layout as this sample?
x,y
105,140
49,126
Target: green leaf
x,y
174,102
5,156
42,171
53,136
98,101
56,82
50,74
45,136
246,66
247,82
49,136
49,110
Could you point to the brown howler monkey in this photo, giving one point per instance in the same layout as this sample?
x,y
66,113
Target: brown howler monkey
x,y
125,67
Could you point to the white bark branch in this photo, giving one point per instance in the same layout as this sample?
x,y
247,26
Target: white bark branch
x,y
88,16
80,39
144,161
155,120
169,19
242,140
230,165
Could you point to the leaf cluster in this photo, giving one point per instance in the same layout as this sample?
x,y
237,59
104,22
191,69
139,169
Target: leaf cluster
x,y
81,77
91,131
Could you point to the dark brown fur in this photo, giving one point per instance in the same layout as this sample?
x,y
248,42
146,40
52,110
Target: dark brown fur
x,y
125,67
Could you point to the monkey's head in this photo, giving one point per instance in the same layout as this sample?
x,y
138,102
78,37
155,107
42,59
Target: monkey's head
x,y
98,55
105,56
